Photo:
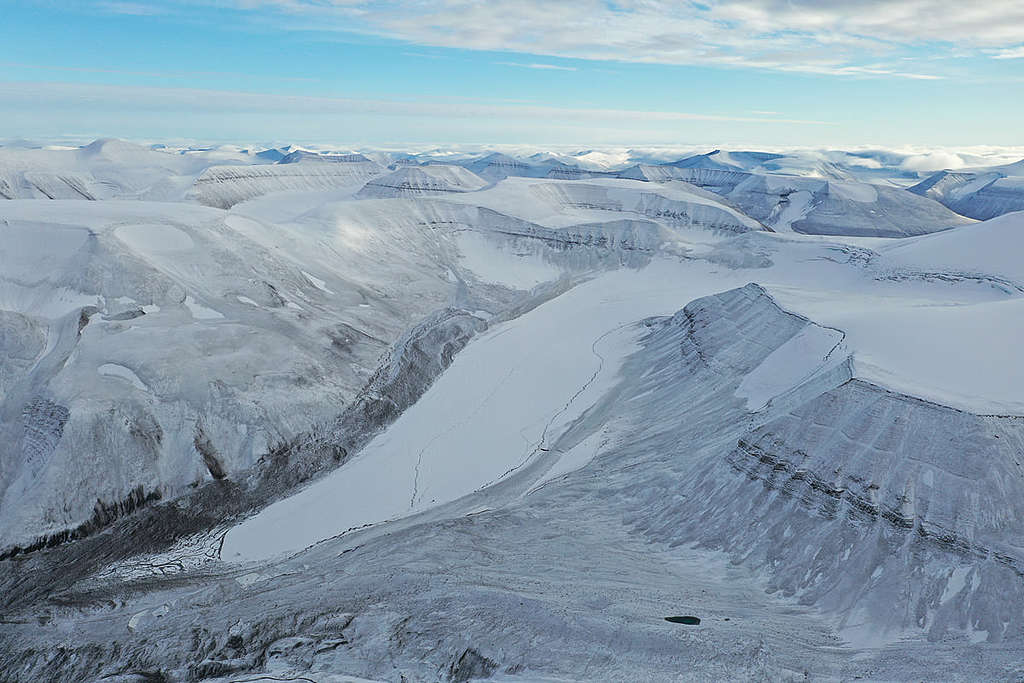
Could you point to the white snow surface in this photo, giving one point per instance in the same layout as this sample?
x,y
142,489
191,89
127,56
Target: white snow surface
x,y
962,354
787,366
499,405
993,247
501,264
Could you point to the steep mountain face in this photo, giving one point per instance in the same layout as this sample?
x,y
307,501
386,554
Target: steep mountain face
x,y
980,195
877,166
841,208
924,494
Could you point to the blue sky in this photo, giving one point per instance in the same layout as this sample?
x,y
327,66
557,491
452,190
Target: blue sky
x,y
574,72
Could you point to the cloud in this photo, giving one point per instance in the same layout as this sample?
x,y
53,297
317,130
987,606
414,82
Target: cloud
x,y
851,38
864,162
877,71
1013,53
154,74
158,99
131,8
552,67
934,161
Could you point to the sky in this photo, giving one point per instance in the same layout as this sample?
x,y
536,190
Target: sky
x,y
835,73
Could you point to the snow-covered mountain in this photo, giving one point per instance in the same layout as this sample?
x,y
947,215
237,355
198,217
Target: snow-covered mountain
x,y
982,194
104,169
438,415
224,186
810,205
498,166
416,181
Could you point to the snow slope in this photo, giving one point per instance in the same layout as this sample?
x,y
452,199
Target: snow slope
x,y
990,248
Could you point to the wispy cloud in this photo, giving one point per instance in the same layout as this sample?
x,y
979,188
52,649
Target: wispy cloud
x,y
155,74
833,37
131,8
1013,53
876,71
552,67
116,97
424,55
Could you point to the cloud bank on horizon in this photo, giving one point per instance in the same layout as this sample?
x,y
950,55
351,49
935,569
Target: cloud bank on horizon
x,y
833,71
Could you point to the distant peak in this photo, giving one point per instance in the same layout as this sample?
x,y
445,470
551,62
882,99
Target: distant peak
x,y
302,155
